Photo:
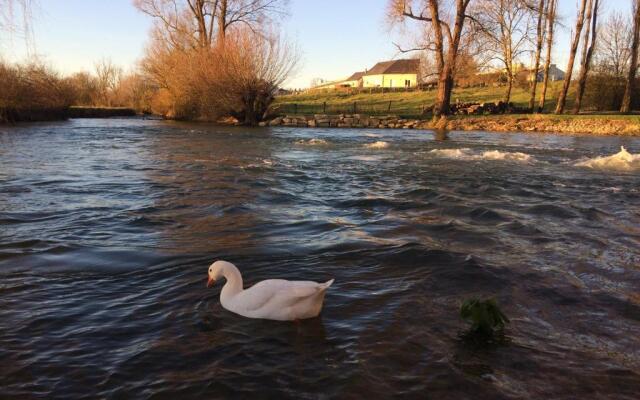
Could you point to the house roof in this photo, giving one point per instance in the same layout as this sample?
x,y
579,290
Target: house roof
x,y
404,66
356,76
554,69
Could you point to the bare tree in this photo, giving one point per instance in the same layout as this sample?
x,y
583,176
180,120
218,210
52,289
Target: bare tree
x,y
9,11
196,23
633,68
181,23
589,43
223,11
85,88
252,68
540,32
16,17
444,38
613,51
317,81
214,58
108,79
505,29
252,14
562,98
551,23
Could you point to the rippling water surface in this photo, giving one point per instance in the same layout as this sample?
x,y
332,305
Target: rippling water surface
x,y
107,227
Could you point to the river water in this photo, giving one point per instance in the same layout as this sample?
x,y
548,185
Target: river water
x,y
107,228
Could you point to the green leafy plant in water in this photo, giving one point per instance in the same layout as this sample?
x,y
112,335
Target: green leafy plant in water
x,y
486,319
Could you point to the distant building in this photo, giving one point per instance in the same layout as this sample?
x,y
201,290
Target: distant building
x,y
385,74
393,74
354,80
282,92
555,74
328,85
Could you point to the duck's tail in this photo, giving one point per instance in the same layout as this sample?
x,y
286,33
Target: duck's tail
x,y
325,286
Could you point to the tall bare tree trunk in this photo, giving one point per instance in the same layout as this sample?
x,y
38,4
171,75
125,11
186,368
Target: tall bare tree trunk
x,y
551,23
222,22
434,8
633,68
587,53
507,96
536,63
198,9
445,87
508,52
445,60
446,79
562,99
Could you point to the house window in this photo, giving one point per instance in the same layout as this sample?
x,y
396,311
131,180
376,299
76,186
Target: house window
x,y
407,83
390,82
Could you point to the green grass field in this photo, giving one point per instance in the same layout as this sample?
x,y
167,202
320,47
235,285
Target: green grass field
x,y
409,104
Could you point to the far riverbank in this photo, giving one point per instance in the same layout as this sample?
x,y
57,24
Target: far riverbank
x,y
14,115
596,124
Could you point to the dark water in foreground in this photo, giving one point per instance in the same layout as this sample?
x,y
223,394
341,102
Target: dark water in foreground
x,y
107,227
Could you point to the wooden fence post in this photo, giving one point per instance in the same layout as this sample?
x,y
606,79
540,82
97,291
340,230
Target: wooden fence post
x,y
324,107
295,108
389,109
355,107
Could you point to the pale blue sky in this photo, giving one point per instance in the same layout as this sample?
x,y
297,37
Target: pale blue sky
x,y
336,37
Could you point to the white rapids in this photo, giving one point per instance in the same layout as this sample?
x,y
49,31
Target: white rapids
x,y
468,154
377,145
622,161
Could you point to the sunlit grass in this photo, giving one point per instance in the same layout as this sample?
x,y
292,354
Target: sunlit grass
x,y
412,103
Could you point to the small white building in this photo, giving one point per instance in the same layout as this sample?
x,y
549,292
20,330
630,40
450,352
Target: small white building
x,y
386,74
393,74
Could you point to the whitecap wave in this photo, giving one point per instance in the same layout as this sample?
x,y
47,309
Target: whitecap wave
x,y
468,154
500,155
622,161
461,154
377,145
313,142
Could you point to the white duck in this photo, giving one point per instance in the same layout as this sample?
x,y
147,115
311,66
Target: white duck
x,y
275,299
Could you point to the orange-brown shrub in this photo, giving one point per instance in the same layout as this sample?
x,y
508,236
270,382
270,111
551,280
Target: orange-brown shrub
x,y
29,91
238,78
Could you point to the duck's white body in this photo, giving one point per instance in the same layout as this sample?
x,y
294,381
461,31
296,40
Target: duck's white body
x,y
275,299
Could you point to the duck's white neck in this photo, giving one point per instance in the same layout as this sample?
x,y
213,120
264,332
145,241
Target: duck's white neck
x,y
234,282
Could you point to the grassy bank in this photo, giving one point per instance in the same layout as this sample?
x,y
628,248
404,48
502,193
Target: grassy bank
x,y
412,104
402,103
628,125
600,124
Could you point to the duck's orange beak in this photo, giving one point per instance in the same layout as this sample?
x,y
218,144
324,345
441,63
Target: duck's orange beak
x,y
210,281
